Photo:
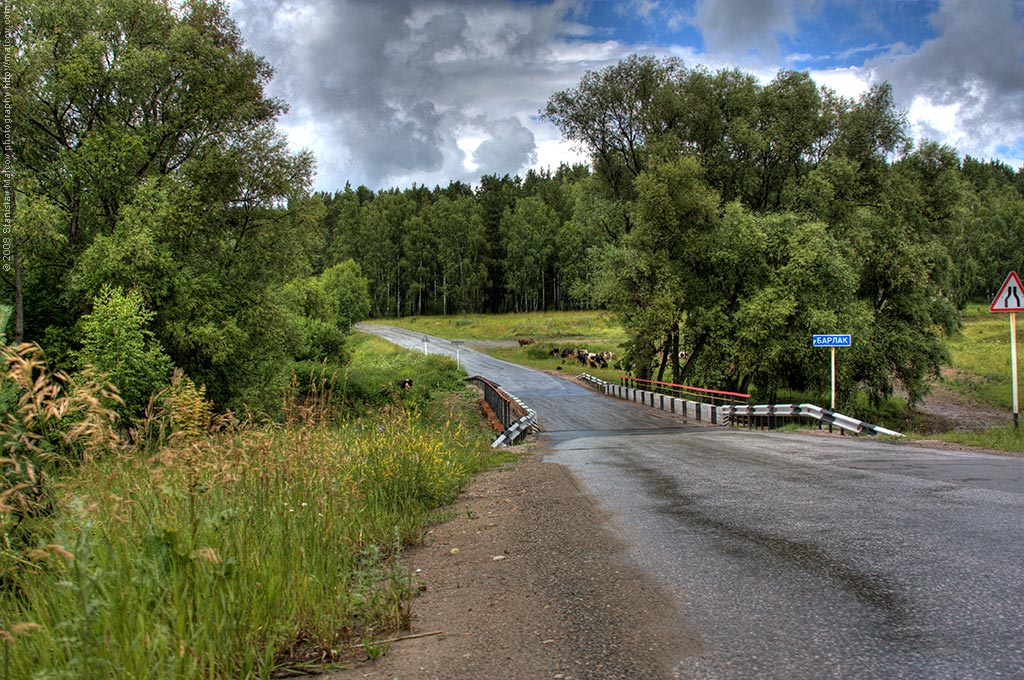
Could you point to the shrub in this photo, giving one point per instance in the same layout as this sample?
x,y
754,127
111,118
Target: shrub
x,y
117,343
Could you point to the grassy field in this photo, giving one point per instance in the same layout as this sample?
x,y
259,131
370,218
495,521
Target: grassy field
x,y
594,331
981,357
242,553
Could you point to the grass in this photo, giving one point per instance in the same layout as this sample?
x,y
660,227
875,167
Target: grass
x,y
981,357
559,327
241,553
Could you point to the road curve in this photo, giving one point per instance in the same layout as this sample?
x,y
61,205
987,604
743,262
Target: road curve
x,y
798,556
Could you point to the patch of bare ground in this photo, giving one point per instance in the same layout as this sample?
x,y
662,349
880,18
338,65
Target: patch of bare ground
x,y
945,410
525,582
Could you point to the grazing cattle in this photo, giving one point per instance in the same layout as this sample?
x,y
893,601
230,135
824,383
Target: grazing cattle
x,y
404,384
523,342
554,352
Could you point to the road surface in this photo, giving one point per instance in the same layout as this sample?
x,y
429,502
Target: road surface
x,y
798,556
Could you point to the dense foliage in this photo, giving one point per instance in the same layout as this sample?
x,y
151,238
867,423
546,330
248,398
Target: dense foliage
x,y
147,162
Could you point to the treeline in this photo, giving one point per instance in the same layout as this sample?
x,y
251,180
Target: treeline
x,y
535,243
511,244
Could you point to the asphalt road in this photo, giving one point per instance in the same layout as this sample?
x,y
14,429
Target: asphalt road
x,y
798,556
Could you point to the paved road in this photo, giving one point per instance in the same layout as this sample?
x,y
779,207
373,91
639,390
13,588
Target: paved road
x,y
800,556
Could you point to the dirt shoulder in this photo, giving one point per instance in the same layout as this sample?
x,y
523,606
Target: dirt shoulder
x,y
525,582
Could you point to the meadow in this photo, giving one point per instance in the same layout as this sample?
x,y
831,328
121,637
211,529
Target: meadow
x,y
219,548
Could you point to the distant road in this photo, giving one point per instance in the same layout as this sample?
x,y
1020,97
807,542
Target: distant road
x,y
798,556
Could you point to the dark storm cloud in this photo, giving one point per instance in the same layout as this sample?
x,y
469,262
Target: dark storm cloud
x,y
383,91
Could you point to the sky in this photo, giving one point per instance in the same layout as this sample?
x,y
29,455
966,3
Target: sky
x,y
390,93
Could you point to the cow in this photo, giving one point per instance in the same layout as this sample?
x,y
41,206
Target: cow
x,y
523,342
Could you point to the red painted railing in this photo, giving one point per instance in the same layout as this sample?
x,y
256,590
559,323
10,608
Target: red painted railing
x,y
699,394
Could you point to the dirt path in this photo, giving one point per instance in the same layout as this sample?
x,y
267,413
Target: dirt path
x,y
945,409
526,583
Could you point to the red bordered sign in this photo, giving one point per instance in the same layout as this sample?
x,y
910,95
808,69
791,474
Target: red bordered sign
x,y
1010,297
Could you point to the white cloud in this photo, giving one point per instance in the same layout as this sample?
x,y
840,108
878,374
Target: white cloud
x,y
965,87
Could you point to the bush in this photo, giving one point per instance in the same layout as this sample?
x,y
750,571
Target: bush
x,y
117,343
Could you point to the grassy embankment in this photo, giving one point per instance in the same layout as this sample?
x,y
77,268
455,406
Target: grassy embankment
x,y
980,368
237,553
981,371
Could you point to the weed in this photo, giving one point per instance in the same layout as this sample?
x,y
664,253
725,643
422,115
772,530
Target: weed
x,y
216,548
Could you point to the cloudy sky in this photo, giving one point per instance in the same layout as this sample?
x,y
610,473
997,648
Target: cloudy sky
x,y
388,93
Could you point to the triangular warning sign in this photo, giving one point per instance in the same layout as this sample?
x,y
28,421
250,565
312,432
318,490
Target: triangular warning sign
x,y
1010,297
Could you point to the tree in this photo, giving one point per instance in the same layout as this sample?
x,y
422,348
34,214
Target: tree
x,y
117,342
145,147
613,113
460,254
529,236
652,279
378,248
495,196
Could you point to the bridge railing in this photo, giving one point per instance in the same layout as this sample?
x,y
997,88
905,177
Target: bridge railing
x,y
769,414
700,395
515,416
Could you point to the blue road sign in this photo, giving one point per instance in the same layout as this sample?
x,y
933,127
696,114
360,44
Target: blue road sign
x,y
832,340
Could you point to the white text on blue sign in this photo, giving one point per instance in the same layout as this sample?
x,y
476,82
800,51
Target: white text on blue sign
x,y
832,340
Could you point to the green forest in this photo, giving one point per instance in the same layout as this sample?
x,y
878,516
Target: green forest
x,y
158,220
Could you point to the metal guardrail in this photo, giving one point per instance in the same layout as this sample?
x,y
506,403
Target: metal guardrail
x,y
728,415
516,417
731,414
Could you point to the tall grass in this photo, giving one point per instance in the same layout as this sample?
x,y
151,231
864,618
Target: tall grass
x,y
232,550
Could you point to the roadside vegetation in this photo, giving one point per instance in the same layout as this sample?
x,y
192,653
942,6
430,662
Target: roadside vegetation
x,y
203,545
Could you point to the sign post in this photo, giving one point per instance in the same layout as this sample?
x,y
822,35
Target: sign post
x,y
1010,298
832,341
458,358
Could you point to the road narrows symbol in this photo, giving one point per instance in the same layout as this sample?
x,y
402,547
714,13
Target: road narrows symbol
x,y
1009,299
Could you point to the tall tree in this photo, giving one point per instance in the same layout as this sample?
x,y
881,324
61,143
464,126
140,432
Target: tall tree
x,y
145,142
614,112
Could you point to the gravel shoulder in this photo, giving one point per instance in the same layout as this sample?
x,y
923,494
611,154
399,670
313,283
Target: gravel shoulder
x,y
526,581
